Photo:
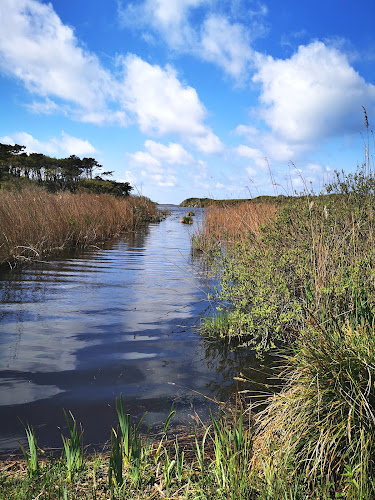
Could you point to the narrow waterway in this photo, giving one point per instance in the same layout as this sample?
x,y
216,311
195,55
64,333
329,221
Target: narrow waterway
x,y
78,331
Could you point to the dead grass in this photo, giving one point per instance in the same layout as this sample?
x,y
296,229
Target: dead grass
x,y
35,223
233,224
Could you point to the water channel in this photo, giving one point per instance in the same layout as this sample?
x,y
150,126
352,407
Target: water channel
x,y
81,329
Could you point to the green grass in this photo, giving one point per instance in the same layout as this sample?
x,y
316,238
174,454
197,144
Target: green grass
x,y
212,464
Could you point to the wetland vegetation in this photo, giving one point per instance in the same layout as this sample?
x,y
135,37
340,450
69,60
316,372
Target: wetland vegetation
x,y
295,278
49,204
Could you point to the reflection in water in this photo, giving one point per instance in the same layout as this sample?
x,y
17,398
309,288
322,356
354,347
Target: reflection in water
x,y
78,331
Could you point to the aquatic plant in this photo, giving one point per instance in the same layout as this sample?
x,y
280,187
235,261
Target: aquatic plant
x,y
31,457
72,447
186,220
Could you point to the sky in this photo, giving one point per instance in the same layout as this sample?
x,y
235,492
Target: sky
x,y
183,98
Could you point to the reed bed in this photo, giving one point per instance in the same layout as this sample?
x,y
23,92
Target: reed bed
x,y
230,224
35,223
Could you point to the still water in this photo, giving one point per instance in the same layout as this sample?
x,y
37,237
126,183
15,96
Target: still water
x,y
78,331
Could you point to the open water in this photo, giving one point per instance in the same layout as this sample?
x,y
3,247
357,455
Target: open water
x,y
79,330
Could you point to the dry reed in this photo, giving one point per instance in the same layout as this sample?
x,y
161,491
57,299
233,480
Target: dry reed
x,y
35,223
233,224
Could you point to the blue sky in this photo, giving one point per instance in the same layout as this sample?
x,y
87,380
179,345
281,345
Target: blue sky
x,y
191,97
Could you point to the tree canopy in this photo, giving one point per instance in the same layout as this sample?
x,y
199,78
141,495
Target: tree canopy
x,y
56,174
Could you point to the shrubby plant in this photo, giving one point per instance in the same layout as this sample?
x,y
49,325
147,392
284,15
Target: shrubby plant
x,y
315,257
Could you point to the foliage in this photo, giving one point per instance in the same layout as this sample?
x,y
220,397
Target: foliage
x,y
72,447
210,202
316,255
186,220
314,441
56,174
31,457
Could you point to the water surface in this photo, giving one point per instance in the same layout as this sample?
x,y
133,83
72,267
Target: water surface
x,y
79,330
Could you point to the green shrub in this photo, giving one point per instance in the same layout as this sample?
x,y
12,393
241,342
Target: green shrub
x,y
317,256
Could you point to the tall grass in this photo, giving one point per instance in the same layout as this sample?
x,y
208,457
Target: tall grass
x,y
322,425
316,256
35,223
229,225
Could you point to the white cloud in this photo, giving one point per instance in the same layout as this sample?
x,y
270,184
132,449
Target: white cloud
x,y
42,52
251,171
74,145
254,154
162,104
310,175
312,96
65,145
145,159
247,131
162,165
226,44
45,107
173,154
162,180
158,163
170,18
217,39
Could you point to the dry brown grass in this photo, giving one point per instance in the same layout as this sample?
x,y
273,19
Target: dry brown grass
x,y
233,224
35,223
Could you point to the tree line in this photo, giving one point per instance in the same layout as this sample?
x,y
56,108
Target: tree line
x,y
57,174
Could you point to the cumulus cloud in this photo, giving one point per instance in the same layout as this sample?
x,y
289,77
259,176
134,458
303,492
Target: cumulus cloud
x,y
159,162
65,145
42,52
167,17
163,105
173,154
226,44
313,95
217,39
254,154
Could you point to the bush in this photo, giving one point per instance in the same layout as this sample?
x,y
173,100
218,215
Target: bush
x,y
316,255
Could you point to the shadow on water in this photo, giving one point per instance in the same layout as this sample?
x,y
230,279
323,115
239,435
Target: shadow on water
x,y
77,331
